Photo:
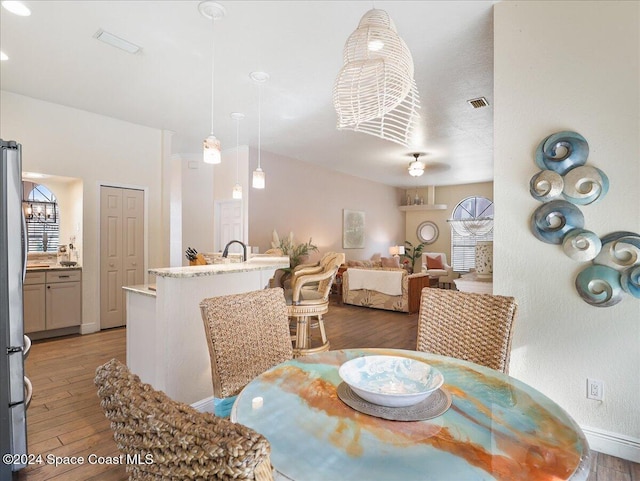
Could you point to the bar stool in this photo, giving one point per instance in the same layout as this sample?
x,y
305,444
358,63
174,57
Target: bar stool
x,y
308,298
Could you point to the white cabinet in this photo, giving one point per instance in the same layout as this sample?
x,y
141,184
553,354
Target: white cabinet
x,y
52,299
34,301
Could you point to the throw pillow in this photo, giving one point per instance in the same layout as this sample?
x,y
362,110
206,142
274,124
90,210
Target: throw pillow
x,y
390,261
434,262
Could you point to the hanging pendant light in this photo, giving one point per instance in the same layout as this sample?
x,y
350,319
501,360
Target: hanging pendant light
x,y
211,145
237,189
258,181
375,91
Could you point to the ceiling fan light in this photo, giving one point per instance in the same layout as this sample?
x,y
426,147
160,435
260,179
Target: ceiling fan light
x,y
416,168
258,181
211,150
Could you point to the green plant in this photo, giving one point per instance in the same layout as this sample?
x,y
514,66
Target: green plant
x,y
296,252
412,253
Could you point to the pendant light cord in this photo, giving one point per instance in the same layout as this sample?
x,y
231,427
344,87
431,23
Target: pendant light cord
x,y
259,121
213,65
237,150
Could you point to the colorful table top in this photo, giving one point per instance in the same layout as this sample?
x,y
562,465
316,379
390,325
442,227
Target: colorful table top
x,y
497,428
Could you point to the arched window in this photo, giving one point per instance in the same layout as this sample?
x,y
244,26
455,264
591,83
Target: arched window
x,y
42,214
471,221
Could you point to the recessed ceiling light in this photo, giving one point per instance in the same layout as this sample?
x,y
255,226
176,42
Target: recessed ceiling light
x,y
259,77
117,42
17,8
4,56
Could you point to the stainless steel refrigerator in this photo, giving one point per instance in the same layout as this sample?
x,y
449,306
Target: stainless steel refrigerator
x,y
15,388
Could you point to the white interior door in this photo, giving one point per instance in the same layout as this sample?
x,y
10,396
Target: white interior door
x,y
229,224
121,250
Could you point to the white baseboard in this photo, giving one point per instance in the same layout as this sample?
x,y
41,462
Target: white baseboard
x,y
614,444
89,328
204,405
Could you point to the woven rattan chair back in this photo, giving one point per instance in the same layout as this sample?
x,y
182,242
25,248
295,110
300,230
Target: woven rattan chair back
x,y
163,439
247,334
468,326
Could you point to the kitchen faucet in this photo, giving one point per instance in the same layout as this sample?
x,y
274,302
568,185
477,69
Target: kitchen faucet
x,y
225,253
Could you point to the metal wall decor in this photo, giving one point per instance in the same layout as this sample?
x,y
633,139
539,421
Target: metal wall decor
x,y
563,183
427,232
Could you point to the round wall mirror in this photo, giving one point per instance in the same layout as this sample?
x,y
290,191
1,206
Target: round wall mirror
x,y
427,232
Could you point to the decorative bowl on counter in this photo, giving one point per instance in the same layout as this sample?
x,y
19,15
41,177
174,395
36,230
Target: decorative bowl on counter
x,y
391,380
68,263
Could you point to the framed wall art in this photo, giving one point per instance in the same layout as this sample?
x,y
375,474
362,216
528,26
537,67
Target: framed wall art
x,y
352,229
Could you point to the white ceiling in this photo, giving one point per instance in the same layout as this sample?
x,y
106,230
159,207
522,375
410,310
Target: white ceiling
x,y
55,57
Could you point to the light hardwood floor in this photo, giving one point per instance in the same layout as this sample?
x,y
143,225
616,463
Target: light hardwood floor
x,y
65,419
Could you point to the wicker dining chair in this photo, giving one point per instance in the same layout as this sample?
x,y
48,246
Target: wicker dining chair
x,y
468,326
247,334
163,439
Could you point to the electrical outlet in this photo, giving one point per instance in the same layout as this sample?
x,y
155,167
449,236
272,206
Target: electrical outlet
x,y
595,389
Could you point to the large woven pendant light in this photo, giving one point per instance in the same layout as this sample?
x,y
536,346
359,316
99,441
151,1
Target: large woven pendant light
x,y
375,92
211,153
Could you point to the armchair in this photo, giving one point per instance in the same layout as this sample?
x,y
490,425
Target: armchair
x,y
434,264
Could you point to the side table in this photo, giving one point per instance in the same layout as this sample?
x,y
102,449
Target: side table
x,y
417,282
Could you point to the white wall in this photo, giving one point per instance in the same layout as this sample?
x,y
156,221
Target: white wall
x,y
567,65
63,141
197,204
308,200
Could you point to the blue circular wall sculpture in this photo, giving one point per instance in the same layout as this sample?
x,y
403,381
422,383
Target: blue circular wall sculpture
x,y
585,185
599,286
581,245
562,152
553,220
615,258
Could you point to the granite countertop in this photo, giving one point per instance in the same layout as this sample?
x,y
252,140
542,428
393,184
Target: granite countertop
x,y
144,289
253,264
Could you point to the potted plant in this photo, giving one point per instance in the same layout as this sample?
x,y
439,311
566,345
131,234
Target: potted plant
x,y
412,253
298,253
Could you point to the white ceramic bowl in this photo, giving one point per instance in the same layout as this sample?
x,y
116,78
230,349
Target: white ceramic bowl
x,y
391,380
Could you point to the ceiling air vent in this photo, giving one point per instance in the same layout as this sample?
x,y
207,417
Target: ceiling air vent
x,y
117,42
478,103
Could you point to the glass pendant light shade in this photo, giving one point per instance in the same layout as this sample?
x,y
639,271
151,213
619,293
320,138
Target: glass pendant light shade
x,y
211,153
259,78
237,191
258,181
211,150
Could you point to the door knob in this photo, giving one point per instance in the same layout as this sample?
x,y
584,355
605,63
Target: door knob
x,y
111,264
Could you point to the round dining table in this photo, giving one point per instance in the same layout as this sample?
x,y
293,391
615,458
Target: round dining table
x,y
497,428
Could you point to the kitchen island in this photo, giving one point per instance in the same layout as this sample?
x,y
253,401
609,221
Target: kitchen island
x,y
166,343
